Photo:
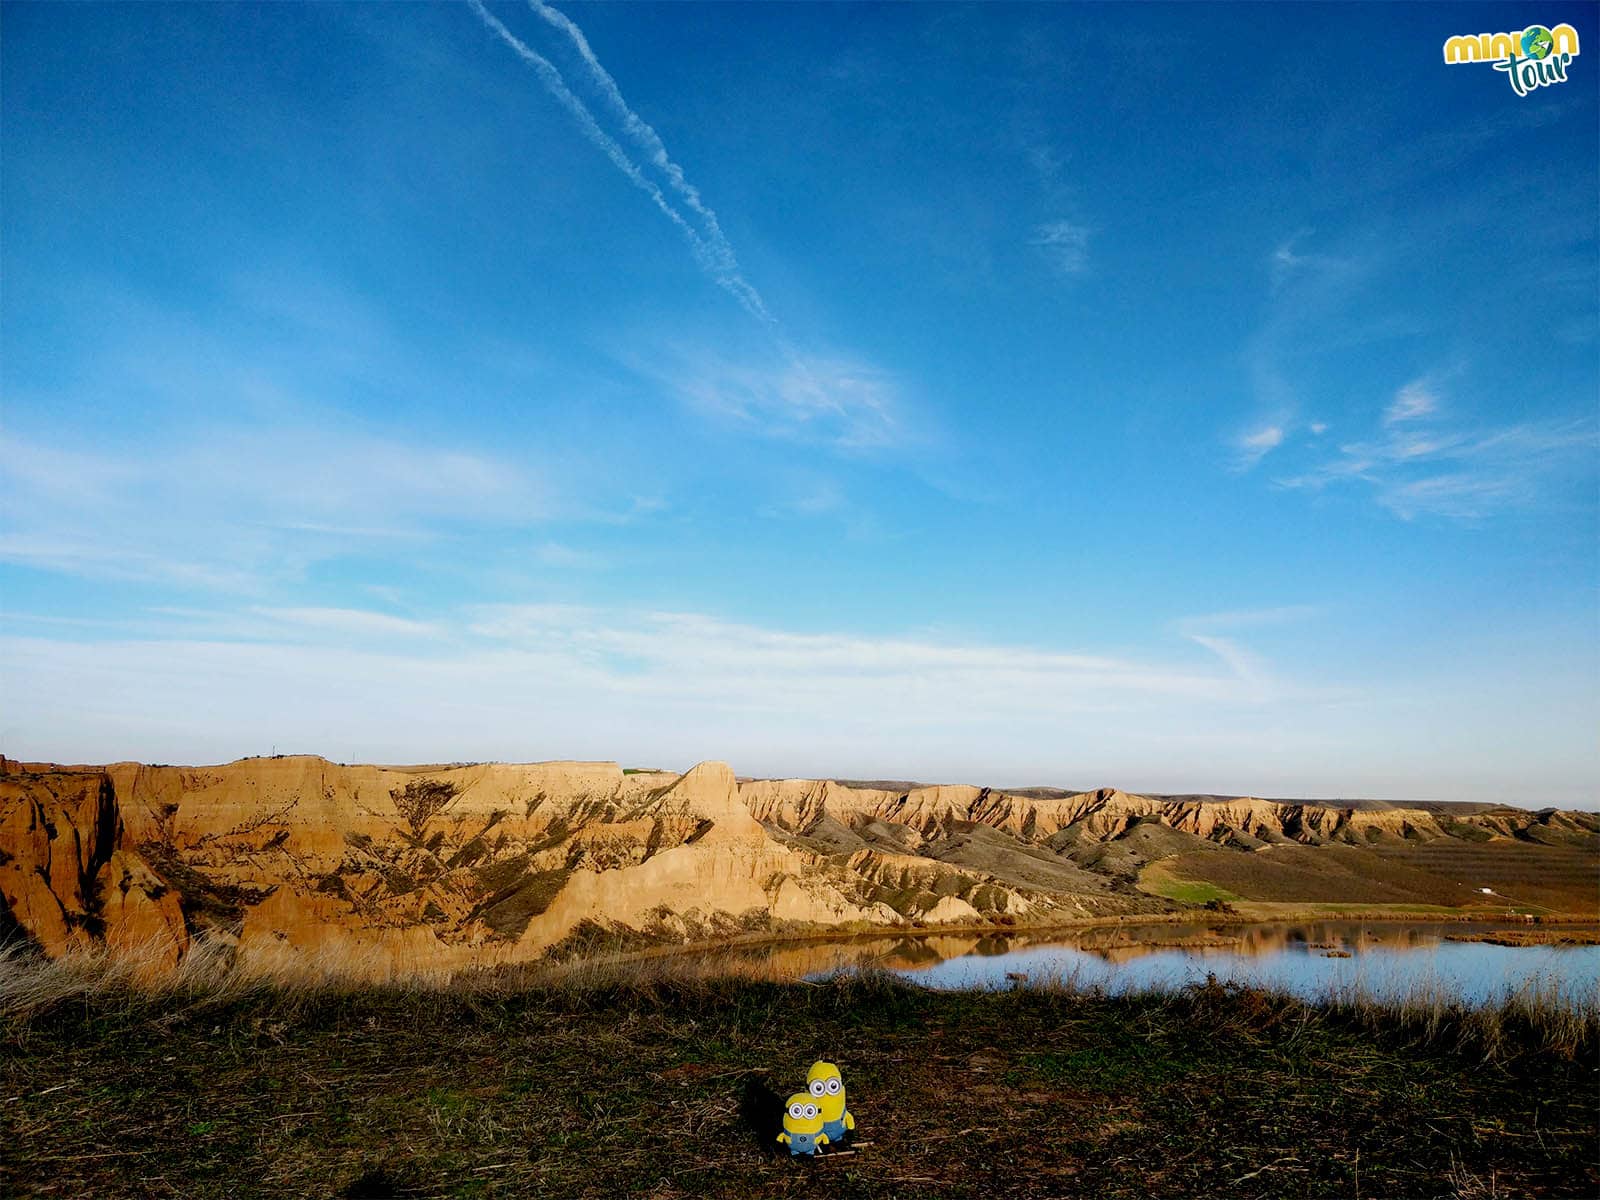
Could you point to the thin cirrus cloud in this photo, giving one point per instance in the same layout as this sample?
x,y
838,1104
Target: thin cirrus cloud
x,y
832,401
1417,458
350,621
1307,288
1219,633
97,557
288,474
1310,270
1416,400
682,666
754,667
1065,244
666,689
233,507
1420,462
1252,447
523,682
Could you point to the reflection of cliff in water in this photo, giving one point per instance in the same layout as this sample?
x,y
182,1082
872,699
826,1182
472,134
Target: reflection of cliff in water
x,y
1120,944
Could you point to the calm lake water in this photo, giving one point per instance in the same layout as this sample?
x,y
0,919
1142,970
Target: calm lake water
x,y
1307,959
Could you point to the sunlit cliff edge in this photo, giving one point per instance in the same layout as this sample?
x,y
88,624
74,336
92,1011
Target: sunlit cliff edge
x,y
449,866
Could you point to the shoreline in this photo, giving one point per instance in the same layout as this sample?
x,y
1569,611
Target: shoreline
x,y
749,942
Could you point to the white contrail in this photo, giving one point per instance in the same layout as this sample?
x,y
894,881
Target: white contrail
x,y
712,251
591,128
650,142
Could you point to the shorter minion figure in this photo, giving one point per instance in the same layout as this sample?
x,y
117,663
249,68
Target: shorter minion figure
x,y
826,1086
802,1125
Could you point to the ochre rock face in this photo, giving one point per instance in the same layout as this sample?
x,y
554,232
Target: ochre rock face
x,y
56,833
398,868
139,912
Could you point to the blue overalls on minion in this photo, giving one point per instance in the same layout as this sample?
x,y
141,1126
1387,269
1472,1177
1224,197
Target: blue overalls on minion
x,y
802,1143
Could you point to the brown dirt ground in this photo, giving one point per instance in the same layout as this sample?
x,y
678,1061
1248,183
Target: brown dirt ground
x,y
1313,874
674,1093
1565,878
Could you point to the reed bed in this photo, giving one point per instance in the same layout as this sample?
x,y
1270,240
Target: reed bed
x,y
1538,1016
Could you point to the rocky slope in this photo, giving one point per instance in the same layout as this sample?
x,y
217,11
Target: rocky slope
x,y
450,865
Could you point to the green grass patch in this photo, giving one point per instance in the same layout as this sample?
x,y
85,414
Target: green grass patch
x,y
1187,891
1111,1067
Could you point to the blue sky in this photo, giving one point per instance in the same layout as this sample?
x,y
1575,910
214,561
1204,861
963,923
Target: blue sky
x,y
1181,398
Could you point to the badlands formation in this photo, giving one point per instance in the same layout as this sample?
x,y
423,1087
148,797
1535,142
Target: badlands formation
x,y
430,867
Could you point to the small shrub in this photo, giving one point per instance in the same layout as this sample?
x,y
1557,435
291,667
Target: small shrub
x,y
421,800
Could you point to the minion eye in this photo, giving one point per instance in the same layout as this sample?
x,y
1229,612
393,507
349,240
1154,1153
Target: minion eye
x,y
817,1087
811,1111
833,1087
797,1111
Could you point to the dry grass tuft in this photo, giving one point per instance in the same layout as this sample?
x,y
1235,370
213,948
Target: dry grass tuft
x,y
1539,1015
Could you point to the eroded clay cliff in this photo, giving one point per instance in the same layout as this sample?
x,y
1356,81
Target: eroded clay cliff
x,y
451,865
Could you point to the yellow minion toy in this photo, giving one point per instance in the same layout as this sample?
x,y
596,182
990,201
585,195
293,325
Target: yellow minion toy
x,y
802,1125
826,1087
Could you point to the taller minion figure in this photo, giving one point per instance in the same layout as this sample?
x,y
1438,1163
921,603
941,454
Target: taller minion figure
x,y
826,1085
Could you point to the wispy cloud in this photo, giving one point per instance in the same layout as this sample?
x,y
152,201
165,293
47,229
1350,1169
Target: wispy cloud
x,y
1254,446
1066,244
833,401
807,495
1246,618
824,498
1246,667
702,229
298,477
1218,633
1305,278
350,621
228,508
97,557
749,665
1420,462
1285,260
565,557
1289,264
521,682
1308,288
1412,402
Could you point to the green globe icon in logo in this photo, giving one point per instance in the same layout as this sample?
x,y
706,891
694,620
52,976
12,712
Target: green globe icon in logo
x,y
1537,41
